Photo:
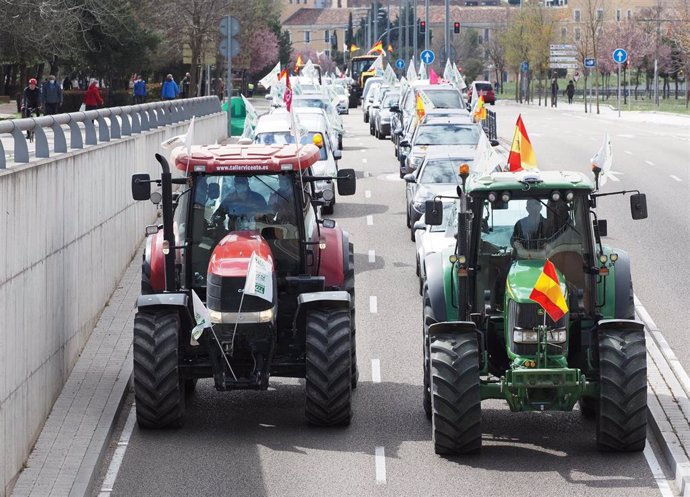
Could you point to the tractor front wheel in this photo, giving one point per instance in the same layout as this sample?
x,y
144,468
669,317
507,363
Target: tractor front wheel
x,y
622,413
158,390
427,320
455,398
328,367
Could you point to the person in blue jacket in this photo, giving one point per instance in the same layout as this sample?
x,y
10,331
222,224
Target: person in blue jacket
x,y
170,90
139,89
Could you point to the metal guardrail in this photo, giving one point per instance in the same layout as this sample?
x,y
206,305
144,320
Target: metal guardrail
x,y
489,125
122,121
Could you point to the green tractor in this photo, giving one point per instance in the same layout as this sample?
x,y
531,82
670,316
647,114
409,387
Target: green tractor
x,y
484,336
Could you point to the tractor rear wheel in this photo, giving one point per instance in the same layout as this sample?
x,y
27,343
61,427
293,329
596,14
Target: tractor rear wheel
x,y
350,288
455,398
158,390
622,413
328,367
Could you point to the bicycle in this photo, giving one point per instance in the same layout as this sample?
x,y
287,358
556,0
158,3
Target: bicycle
x,y
29,112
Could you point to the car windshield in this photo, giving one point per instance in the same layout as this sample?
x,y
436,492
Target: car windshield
x,y
443,171
316,103
445,99
286,137
360,65
391,99
266,204
447,134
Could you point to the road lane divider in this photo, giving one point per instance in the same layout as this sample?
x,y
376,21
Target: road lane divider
x,y
367,193
364,160
628,152
373,304
118,455
649,163
673,176
380,461
370,220
376,371
372,256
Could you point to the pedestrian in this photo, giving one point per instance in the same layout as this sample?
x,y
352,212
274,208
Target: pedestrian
x,y
139,90
570,91
31,101
92,98
170,90
185,85
554,92
66,84
220,89
51,95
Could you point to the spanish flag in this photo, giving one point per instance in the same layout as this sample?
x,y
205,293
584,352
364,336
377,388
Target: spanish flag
x,y
480,110
390,48
353,48
283,74
420,107
299,63
521,152
378,47
548,294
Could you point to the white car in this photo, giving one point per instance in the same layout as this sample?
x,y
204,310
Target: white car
x,y
274,129
343,95
432,239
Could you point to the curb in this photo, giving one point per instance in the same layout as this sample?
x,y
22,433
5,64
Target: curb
x,y
667,402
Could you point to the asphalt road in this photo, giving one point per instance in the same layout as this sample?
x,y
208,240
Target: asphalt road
x,y
258,444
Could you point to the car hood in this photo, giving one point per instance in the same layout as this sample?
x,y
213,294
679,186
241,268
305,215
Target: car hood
x,y
435,241
446,150
427,192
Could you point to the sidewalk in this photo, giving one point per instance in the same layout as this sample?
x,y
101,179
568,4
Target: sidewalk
x,y
609,112
8,111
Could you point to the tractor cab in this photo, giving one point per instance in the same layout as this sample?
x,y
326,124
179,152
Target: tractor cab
x,y
531,288
242,235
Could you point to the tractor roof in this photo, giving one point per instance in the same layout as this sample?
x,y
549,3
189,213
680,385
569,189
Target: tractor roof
x,y
236,158
536,179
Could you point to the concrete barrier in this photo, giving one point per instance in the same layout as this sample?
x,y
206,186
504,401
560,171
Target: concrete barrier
x,y
68,230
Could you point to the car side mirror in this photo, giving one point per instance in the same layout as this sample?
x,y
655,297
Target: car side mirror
x,y
404,142
638,206
337,154
347,182
495,143
410,178
419,225
395,108
141,186
433,212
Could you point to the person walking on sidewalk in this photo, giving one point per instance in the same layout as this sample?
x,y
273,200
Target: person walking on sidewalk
x,y
554,92
92,98
139,90
570,91
170,90
52,95
185,85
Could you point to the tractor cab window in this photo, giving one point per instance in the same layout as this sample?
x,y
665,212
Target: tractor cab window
x,y
265,204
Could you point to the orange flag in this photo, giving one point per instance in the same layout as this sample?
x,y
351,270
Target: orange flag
x,y
353,48
521,152
378,47
299,63
390,48
420,107
548,294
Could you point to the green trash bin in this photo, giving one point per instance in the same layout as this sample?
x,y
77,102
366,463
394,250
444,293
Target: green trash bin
x,y
238,113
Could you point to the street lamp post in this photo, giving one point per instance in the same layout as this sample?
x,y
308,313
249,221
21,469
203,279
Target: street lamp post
x,y
446,37
376,19
426,19
415,29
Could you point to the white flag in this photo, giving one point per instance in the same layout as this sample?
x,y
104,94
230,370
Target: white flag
x,y
423,73
411,72
486,160
603,160
259,278
390,76
271,78
201,316
448,72
459,80
377,66
189,137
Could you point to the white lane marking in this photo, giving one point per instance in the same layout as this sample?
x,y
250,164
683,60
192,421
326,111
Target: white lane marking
x,y
628,152
363,150
648,162
364,161
367,174
118,455
372,256
612,175
367,193
673,176
373,304
380,458
376,371
370,220
626,136
657,472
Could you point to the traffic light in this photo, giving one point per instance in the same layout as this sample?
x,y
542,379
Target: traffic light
x,y
456,28
422,26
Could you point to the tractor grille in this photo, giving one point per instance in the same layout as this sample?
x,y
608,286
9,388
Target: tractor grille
x,y
224,294
529,316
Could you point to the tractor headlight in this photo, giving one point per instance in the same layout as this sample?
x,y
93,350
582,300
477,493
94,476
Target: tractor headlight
x,y
525,336
558,335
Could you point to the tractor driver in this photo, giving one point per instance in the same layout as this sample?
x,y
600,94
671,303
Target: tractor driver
x,y
242,207
528,232
281,201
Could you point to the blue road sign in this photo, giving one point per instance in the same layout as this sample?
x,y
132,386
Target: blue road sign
x,y
524,67
427,57
590,62
620,56
400,64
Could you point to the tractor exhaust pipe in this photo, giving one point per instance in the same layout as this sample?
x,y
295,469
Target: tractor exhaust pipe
x,y
168,234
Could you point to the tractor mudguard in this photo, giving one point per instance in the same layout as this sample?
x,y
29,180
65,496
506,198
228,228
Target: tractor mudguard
x,y
452,327
333,255
153,265
622,325
625,299
434,283
163,300
336,299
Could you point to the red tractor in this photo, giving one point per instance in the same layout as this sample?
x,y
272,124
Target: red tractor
x,y
233,205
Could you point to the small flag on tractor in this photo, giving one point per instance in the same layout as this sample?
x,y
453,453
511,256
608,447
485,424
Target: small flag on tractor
x,y
420,107
547,292
201,316
521,152
479,111
259,281
433,77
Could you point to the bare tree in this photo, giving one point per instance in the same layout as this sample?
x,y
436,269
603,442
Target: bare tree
x,y
588,45
515,41
496,53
